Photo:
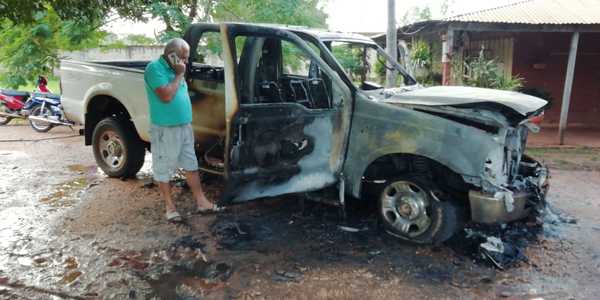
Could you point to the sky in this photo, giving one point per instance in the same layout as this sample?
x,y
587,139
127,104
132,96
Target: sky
x,y
344,15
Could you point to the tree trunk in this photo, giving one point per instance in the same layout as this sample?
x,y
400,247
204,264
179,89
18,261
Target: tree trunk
x,y
193,10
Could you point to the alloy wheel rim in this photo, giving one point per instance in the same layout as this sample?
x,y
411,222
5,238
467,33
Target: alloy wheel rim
x,y
404,206
111,149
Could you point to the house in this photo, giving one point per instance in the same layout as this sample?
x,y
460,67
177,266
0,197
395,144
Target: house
x,y
553,45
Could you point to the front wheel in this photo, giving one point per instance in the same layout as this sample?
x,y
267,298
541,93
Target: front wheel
x,y
410,208
41,126
118,150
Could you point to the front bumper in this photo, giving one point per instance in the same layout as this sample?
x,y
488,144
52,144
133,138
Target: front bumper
x,y
528,191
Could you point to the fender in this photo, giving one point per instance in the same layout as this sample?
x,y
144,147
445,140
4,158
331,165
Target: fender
x,y
380,129
105,89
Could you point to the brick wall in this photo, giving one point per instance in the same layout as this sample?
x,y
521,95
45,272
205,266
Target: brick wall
x,y
541,59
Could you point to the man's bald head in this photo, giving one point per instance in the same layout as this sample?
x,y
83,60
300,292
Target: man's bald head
x,y
178,46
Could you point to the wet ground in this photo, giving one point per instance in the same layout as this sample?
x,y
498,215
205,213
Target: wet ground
x,y
68,232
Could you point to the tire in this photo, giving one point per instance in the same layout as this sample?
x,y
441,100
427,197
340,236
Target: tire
x,y
4,120
118,150
410,208
38,125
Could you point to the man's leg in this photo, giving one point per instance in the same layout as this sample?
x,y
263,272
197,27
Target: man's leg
x,y
193,180
161,164
189,162
165,192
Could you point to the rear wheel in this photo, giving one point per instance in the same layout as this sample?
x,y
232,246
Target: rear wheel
x,y
4,120
410,208
118,150
41,126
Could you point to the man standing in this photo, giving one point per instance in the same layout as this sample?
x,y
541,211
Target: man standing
x,y
171,134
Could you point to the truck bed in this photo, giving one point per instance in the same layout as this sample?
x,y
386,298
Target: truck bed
x,y
137,64
122,80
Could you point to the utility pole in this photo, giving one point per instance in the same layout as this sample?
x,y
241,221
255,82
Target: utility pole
x,y
391,42
566,100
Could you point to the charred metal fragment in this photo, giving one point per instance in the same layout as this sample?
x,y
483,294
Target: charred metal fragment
x,y
462,120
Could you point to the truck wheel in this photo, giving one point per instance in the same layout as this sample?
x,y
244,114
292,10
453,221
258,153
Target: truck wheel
x,y
118,150
41,126
409,209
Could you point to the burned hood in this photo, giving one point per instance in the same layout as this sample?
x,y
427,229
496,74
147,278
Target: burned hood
x,y
469,96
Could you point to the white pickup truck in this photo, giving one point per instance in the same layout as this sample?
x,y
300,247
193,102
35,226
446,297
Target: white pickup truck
x,y
280,110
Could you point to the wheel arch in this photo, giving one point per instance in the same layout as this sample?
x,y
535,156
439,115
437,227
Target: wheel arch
x,y
99,107
394,164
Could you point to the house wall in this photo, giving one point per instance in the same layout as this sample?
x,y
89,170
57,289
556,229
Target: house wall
x,y
541,59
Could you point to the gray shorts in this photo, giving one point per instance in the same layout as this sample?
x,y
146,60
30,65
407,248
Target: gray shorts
x,y
172,147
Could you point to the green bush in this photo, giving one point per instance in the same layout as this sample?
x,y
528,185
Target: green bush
x,y
420,55
484,73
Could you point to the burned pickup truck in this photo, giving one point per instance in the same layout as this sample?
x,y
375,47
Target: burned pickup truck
x,y
281,110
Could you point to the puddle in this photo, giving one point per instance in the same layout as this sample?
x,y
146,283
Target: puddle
x,y
196,280
83,169
66,193
12,154
180,271
70,277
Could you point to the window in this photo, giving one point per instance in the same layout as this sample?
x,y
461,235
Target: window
x,y
208,64
365,64
210,50
295,61
274,70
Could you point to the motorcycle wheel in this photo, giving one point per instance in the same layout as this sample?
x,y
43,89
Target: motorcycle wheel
x,y
41,126
4,120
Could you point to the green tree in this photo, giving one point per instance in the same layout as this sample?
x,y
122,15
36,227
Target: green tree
x,y
291,12
139,39
23,12
351,60
31,49
178,15
416,14
34,31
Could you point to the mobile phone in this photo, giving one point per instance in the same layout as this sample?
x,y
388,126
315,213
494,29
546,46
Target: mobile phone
x,y
173,58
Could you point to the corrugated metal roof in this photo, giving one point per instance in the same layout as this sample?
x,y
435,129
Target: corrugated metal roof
x,y
537,12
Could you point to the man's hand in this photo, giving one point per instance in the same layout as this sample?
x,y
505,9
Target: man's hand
x,y
179,68
167,92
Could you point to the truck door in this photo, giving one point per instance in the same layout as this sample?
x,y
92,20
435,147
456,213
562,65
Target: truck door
x,y
288,114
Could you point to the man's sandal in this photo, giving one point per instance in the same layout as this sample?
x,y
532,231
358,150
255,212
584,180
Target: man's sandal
x,y
174,217
209,211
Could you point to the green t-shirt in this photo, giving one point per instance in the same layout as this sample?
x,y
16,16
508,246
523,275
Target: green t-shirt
x,y
176,112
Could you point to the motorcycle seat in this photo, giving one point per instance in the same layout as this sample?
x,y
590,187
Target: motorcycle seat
x,y
14,93
47,95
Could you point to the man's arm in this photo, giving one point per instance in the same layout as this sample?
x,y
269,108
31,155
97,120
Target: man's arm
x,y
168,91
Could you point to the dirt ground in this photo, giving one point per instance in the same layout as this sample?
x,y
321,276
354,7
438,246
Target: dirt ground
x,y
69,232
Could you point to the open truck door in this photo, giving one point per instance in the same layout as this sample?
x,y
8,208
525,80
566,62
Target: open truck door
x,y
287,114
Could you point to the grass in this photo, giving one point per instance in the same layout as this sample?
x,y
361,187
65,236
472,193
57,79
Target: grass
x,y
577,158
53,85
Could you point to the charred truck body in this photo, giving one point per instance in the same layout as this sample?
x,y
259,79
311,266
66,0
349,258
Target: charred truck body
x,y
281,110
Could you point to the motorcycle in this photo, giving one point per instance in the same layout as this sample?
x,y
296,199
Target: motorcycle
x,y
14,105
42,108
47,112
